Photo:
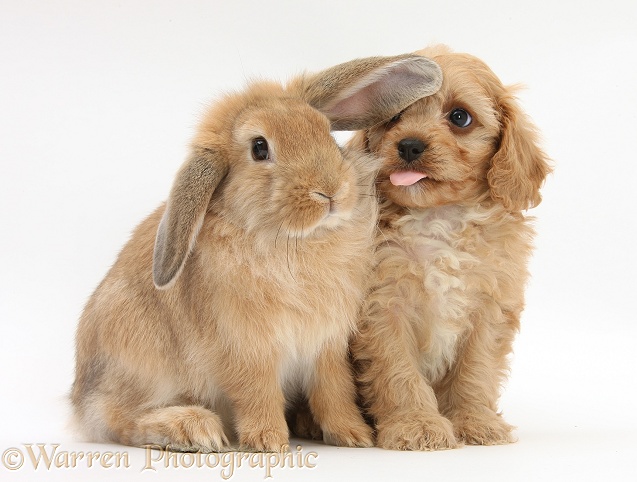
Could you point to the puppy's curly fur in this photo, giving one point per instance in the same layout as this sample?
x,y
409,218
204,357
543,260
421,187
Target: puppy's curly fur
x,y
459,168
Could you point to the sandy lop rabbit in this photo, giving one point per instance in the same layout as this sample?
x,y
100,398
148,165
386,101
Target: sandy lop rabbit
x,y
241,292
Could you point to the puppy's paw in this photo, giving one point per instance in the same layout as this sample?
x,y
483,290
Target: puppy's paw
x,y
183,429
355,434
266,440
486,428
416,432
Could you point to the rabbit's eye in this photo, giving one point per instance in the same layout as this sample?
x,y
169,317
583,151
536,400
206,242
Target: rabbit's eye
x,y
460,117
260,150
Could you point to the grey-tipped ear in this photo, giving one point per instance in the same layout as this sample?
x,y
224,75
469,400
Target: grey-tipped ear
x,y
185,210
363,92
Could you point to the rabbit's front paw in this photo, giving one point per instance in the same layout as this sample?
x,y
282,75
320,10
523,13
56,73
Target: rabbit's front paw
x,y
182,429
266,440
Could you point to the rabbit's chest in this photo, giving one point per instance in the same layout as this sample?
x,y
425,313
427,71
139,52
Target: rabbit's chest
x,y
304,331
286,303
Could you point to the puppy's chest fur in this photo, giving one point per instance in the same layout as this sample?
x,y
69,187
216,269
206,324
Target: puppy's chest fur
x,y
454,263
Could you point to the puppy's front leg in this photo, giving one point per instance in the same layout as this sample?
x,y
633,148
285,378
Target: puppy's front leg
x,y
469,393
398,397
332,400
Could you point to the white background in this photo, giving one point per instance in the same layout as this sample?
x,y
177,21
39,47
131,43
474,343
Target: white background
x,y
98,100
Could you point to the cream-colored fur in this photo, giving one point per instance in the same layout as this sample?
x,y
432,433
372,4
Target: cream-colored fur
x,y
239,295
450,262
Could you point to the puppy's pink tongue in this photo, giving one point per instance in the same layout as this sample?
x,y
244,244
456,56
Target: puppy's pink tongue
x,y
406,178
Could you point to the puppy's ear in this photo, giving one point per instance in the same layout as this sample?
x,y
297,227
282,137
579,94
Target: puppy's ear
x,y
185,210
519,167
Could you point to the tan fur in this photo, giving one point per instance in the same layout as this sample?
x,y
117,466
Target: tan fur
x,y
240,294
450,263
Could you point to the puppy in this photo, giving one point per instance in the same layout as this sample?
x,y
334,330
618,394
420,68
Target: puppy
x,y
460,167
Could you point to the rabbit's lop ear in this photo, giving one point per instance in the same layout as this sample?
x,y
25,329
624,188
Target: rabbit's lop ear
x,y
185,210
361,93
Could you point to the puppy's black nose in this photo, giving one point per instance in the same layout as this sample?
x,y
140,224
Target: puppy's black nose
x,y
411,149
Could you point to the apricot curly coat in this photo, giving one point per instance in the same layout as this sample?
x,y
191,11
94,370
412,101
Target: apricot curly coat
x,y
450,261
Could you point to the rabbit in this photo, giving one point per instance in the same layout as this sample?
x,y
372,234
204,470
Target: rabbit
x,y
239,295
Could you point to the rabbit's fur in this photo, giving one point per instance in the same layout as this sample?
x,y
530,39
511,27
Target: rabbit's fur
x,y
239,295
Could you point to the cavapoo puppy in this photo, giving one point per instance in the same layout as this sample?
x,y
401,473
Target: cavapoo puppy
x,y
460,168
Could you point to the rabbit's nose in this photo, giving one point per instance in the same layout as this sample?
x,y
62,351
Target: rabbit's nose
x,y
411,149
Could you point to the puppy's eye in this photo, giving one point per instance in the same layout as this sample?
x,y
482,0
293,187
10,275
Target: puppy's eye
x,y
394,120
460,117
260,151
